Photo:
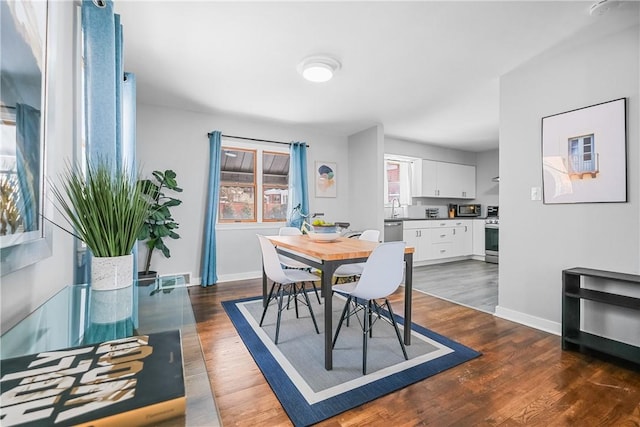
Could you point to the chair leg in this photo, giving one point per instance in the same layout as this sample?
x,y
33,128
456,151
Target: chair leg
x,y
295,297
365,333
313,317
395,326
370,304
315,289
280,298
269,298
344,312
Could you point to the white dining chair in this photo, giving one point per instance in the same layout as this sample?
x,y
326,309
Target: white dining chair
x,y
382,274
292,263
353,271
286,282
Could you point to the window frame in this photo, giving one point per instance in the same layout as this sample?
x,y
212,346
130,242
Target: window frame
x,y
264,186
247,185
259,150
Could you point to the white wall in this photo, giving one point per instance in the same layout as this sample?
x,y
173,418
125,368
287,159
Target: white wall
x,y
23,291
366,166
538,241
487,168
428,151
176,139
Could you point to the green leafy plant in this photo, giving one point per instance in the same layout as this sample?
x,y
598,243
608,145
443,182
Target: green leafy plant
x,y
159,223
106,208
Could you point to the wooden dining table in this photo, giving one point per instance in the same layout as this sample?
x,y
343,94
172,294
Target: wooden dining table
x,y
326,257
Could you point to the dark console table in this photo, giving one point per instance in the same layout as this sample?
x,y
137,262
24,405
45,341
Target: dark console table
x,y
572,292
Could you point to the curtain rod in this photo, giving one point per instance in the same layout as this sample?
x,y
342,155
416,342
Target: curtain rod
x,y
8,106
254,139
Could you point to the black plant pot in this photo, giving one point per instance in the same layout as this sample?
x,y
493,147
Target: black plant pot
x,y
146,279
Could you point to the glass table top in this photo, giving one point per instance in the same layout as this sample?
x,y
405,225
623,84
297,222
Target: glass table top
x,y
76,315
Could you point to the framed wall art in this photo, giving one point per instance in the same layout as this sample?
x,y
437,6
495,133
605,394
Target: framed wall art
x,y
325,179
584,156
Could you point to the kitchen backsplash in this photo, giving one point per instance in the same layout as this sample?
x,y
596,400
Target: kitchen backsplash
x,y
427,211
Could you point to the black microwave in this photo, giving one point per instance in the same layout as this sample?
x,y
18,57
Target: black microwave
x,y
469,210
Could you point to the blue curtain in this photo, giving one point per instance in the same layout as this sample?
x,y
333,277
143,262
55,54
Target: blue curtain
x,y
298,185
28,163
100,81
208,275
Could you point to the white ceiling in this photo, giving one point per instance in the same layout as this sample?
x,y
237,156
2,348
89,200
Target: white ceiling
x,y
427,70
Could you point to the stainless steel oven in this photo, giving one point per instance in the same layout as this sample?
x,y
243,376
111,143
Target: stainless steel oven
x,y
491,235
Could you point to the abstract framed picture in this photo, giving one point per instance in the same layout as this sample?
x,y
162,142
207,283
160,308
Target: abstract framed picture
x,y
325,179
584,155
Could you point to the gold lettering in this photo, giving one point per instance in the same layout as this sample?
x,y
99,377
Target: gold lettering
x,y
64,358
122,356
34,391
102,374
97,396
123,343
23,413
83,366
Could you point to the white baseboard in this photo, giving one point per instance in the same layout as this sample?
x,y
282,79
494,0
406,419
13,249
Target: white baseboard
x,y
528,320
247,275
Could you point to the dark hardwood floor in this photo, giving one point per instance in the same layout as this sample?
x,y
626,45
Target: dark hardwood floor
x,y
523,377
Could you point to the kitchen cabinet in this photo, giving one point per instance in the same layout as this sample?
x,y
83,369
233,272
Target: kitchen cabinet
x,y
462,237
441,245
416,234
447,180
439,239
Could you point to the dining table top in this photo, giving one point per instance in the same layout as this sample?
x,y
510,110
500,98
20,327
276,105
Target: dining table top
x,y
340,249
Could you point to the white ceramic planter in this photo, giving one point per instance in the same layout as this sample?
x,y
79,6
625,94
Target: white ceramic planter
x,y
111,306
109,273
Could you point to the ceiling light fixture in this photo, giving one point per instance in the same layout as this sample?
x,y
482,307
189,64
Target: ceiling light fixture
x,y
318,68
602,6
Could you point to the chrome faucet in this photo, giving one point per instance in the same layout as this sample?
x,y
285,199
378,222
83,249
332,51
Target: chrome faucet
x,y
393,208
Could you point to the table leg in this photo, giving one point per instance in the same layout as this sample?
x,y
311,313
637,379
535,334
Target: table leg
x,y
329,267
408,286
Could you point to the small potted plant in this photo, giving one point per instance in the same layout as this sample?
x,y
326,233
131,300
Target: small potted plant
x,y
159,223
107,210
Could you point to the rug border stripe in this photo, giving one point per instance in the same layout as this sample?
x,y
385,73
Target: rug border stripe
x,y
296,406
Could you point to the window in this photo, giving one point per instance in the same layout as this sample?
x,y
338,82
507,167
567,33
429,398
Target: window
x,y
393,180
581,154
397,181
245,173
237,185
275,186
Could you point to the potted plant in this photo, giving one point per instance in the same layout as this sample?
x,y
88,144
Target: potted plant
x,y
159,224
107,210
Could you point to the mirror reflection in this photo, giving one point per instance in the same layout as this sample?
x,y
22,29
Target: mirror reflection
x,y
23,45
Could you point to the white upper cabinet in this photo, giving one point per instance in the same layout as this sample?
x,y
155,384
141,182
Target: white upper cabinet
x,y
440,179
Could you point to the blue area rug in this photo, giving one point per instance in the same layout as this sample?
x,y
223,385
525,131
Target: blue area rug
x,y
295,367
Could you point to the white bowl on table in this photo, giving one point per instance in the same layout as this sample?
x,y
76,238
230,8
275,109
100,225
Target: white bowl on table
x,y
324,237
320,233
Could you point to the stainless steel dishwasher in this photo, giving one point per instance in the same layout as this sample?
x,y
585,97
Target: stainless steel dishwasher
x,y
393,231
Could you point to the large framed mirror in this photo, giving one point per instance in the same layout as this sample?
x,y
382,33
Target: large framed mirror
x,y
25,238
